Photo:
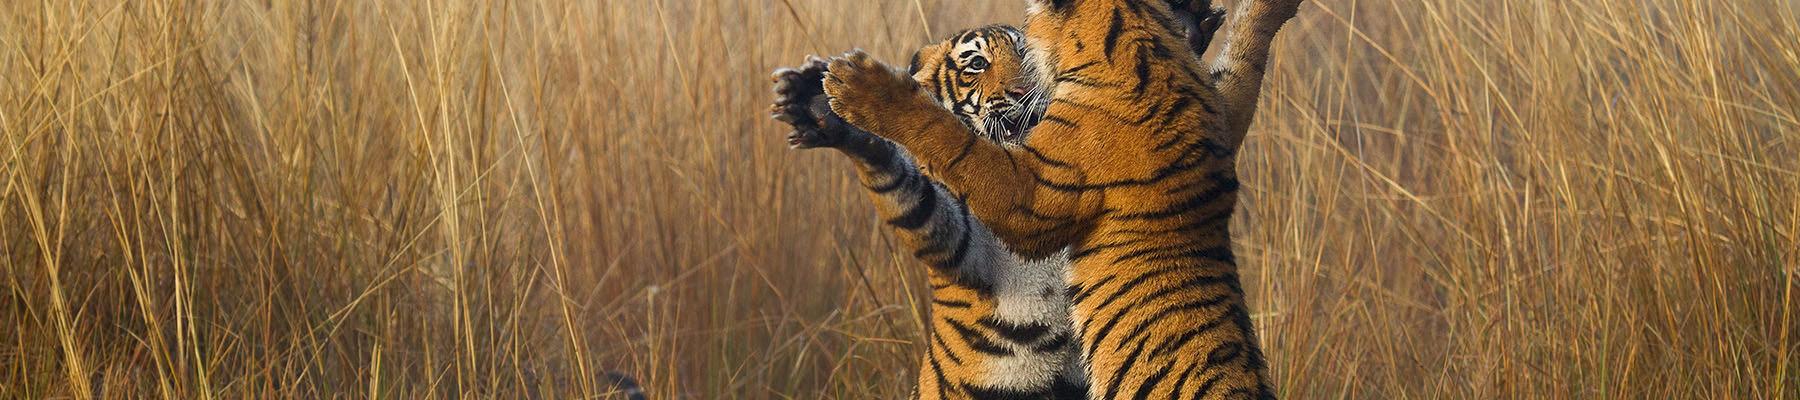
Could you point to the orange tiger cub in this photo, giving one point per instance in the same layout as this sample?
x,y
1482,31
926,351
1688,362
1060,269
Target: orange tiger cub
x,y
999,325
1131,168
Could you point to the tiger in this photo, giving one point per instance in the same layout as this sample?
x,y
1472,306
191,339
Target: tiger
x,y
1129,172
999,323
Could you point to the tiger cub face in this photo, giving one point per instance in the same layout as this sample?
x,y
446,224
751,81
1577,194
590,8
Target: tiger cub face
x,y
980,75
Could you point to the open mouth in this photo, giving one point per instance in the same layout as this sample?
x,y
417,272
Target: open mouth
x,y
1013,126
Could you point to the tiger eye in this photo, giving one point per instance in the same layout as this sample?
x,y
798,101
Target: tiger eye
x,y
979,63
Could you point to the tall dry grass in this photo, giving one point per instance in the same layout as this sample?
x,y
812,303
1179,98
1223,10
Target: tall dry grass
x,y
406,199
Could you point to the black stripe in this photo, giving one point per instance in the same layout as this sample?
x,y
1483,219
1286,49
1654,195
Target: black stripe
x,y
1119,376
1221,254
985,393
1211,146
962,247
1081,67
1149,385
1142,327
1196,183
1158,176
1157,50
939,338
936,243
1143,74
1219,219
921,212
1056,343
951,303
1175,342
1082,292
1148,114
1147,251
893,184
1021,334
1063,186
1180,106
1194,283
1034,214
1099,335
1046,160
1227,184
1127,286
1241,317
1181,383
1059,120
1063,389
1207,387
1206,106
1169,117
1085,252
1112,37
1178,252
968,146
1081,80
978,341
1054,230
942,382
947,83
1225,353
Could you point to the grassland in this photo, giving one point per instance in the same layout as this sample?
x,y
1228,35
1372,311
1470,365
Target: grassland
x,y
439,199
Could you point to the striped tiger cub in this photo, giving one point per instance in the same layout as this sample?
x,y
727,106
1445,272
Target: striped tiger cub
x,y
1130,172
999,323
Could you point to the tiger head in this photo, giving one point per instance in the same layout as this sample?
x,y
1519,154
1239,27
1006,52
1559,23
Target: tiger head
x,y
980,75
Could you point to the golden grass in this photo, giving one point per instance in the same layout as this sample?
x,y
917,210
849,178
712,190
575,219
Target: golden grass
x,y
1444,199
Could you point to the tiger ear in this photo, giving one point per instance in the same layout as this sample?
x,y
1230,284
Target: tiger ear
x,y
918,59
912,68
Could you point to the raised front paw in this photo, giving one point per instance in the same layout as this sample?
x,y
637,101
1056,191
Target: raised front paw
x,y
862,88
1191,7
1201,19
800,102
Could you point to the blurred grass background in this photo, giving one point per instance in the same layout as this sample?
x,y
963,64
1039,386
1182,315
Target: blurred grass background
x,y
447,199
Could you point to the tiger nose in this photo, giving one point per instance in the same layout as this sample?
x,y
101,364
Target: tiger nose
x,y
1019,90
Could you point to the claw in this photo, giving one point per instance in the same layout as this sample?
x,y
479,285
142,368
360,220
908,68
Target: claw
x,y
857,56
1214,17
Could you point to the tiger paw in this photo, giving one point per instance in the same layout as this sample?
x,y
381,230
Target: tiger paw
x,y
861,89
800,102
1191,7
1201,19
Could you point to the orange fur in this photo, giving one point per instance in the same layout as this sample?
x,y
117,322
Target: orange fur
x,y
1132,165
